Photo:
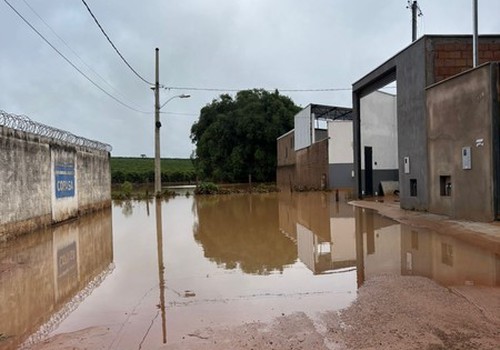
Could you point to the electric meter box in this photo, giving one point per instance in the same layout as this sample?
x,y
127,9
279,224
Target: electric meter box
x,y
466,158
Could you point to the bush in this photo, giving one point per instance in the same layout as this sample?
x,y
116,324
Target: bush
x,y
206,188
127,189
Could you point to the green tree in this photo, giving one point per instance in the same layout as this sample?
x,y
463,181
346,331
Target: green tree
x,y
237,137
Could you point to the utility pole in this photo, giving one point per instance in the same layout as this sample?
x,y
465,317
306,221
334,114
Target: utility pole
x,y
415,13
157,126
475,34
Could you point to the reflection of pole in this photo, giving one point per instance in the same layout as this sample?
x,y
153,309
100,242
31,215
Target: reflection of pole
x,y
161,268
360,258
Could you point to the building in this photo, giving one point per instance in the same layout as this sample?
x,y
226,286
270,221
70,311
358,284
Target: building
x,y
464,144
424,63
317,153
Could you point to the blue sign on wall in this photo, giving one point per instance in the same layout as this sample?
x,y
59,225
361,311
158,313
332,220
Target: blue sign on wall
x,y
65,179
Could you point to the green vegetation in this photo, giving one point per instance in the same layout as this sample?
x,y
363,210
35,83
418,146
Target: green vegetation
x,y
236,137
211,188
141,170
206,188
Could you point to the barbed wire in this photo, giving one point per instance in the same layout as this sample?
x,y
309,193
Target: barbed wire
x,y
24,123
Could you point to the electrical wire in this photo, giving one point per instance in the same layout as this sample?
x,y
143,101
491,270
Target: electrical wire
x,y
75,53
236,90
69,61
113,45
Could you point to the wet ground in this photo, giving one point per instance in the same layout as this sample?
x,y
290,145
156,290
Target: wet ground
x,y
264,271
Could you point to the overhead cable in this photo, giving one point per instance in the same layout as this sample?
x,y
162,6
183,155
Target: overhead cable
x,y
266,89
113,45
74,52
71,63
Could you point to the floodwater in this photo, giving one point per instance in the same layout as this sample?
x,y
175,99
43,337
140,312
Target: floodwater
x,y
154,272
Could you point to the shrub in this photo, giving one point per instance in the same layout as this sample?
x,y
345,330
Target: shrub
x,y
206,188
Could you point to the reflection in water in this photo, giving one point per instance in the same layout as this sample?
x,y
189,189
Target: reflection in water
x,y
242,231
323,229
40,274
161,268
386,247
332,235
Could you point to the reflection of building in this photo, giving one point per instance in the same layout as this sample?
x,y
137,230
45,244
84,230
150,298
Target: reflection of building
x,y
323,230
387,247
41,272
447,259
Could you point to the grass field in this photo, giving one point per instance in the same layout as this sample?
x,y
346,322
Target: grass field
x,y
141,170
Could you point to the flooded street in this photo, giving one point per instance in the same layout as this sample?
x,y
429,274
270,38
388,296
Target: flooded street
x,y
144,274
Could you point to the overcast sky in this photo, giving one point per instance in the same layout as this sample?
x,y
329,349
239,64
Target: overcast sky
x,y
227,44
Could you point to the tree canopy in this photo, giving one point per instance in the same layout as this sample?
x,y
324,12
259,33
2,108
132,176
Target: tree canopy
x,y
236,137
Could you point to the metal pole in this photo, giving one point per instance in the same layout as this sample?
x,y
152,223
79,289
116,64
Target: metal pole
x,y
475,60
414,7
157,127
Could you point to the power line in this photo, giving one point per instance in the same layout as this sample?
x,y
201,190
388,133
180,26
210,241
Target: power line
x,y
266,89
71,63
74,52
113,45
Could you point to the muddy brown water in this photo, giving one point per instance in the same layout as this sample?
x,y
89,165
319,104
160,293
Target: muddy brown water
x,y
155,272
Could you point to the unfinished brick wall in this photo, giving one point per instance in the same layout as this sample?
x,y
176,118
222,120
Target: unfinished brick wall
x,y
286,150
312,165
455,56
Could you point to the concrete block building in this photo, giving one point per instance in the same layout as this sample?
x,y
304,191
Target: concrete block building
x,y
317,153
427,61
464,144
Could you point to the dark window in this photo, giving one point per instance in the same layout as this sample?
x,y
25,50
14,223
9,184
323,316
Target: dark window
x,y
413,187
445,185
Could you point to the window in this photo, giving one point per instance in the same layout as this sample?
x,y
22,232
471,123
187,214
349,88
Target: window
x,y
445,185
413,187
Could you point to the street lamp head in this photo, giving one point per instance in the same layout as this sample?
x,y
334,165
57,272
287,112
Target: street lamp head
x,y
171,98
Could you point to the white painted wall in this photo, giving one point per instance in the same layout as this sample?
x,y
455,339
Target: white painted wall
x,y
304,124
379,129
340,145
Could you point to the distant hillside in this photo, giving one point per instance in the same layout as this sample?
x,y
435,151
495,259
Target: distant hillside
x,y
141,170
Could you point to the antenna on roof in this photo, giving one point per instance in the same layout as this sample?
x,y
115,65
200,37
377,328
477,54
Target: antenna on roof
x,y
415,12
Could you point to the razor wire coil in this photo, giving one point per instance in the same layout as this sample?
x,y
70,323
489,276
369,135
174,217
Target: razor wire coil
x,y
24,123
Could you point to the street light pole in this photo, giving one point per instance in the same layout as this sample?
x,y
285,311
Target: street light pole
x,y
157,126
158,123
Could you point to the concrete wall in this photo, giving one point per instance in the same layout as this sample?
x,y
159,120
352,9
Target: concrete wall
x,y
285,170
460,114
412,127
340,154
44,181
304,124
312,166
379,129
426,61
25,181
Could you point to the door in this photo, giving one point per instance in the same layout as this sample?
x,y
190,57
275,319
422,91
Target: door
x,y
368,171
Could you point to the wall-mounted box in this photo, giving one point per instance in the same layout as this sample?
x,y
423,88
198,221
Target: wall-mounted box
x,y
466,158
406,165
